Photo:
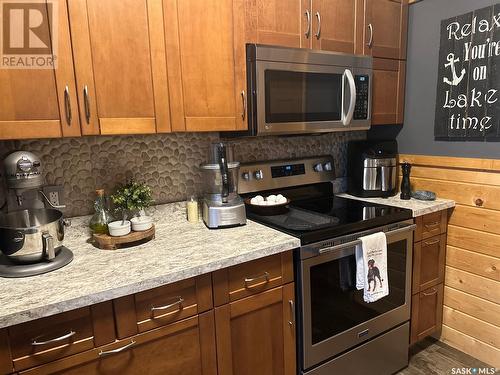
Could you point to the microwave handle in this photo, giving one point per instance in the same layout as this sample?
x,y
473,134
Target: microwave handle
x,y
347,118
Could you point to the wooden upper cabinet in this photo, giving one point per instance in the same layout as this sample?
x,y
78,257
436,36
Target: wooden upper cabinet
x,y
334,24
385,30
388,91
120,63
206,63
278,22
41,103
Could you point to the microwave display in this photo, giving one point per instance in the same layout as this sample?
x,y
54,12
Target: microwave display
x,y
362,94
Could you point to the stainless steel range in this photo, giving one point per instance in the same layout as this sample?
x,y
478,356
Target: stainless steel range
x,y
336,329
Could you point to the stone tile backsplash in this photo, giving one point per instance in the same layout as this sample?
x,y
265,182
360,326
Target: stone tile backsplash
x,y
167,162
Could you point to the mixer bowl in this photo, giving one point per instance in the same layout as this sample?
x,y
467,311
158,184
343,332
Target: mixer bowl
x,y
30,236
212,180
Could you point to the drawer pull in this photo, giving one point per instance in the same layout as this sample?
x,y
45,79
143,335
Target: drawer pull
x,y
434,291
264,276
431,225
114,351
429,243
179,302
35,341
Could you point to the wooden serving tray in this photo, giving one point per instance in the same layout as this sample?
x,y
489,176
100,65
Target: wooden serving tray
x,y
107,242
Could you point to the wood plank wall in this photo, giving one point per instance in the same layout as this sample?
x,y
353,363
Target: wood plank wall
x,y
471,316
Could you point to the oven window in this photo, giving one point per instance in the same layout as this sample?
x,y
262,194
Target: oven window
x,y
300,96
336,304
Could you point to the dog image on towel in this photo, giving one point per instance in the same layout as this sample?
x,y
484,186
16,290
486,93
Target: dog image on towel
x,y
373,274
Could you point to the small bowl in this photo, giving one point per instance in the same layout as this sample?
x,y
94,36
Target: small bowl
x,y
119,228
141,223
275,209
423,195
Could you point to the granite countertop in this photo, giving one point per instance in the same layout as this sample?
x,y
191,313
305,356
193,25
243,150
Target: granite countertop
x,y
180,250
418,207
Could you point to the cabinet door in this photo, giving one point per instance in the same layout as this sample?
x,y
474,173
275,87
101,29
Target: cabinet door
x,y
120,64
183,348
426,313
256,335
286,23
388,91
429,263
334,24
206,49
385,31
41,103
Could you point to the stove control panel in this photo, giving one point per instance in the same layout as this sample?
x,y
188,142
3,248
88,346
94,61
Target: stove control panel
x,y
278,174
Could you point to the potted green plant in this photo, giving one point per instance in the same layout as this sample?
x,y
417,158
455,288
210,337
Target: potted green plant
x,y
131,199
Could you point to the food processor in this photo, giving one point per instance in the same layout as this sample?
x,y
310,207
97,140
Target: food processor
x,y
222,206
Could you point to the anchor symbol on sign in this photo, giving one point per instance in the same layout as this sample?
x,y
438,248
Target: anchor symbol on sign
x,y
451,63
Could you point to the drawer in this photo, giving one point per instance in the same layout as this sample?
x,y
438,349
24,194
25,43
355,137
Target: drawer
x,y
248,278
47,339
431,225
163,305
428,263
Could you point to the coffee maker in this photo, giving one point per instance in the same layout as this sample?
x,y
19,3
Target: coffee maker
x,y
222,206
32,231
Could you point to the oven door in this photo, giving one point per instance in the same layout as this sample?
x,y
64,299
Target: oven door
x,y
334,315
303,98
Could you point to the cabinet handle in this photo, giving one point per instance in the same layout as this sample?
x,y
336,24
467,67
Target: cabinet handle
x,y
434,291
292,313
179,302
264,276
429,243
67,106
114,351
431,225
308,30
244,104
86,103
35,341
370,41
318,31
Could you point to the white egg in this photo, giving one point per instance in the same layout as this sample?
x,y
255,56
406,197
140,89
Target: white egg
x,y
279,196
281,200
264,203
259,198
271,198
254,200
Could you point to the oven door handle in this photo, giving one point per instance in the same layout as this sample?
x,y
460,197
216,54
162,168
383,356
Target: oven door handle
x,y
406,228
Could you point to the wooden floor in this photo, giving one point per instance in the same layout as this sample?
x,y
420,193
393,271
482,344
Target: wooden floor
x,y
432,357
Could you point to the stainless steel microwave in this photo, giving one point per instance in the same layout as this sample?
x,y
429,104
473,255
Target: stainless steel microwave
x,y
294,91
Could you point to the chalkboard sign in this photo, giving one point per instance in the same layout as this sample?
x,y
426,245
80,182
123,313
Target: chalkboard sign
x,y
468,91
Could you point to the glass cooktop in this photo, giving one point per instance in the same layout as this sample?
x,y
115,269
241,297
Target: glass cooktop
x,y
323,217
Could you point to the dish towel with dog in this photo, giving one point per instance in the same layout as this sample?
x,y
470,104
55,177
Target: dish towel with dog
x,y
371,267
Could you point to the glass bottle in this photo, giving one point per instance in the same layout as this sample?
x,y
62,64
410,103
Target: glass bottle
x,y
99,222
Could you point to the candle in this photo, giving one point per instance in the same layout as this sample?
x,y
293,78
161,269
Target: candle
x,y
192,210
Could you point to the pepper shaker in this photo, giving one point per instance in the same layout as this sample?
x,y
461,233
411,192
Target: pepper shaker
x,y
405,182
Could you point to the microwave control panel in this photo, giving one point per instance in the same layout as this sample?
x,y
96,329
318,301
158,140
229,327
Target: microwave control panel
x,y
362,95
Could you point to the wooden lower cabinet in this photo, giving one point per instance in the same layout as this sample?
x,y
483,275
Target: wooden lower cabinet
x,y
426,313
256,335
186,347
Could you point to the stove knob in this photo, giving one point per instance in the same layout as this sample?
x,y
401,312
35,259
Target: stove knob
x,y
318,167
327,166
246,176
258,174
